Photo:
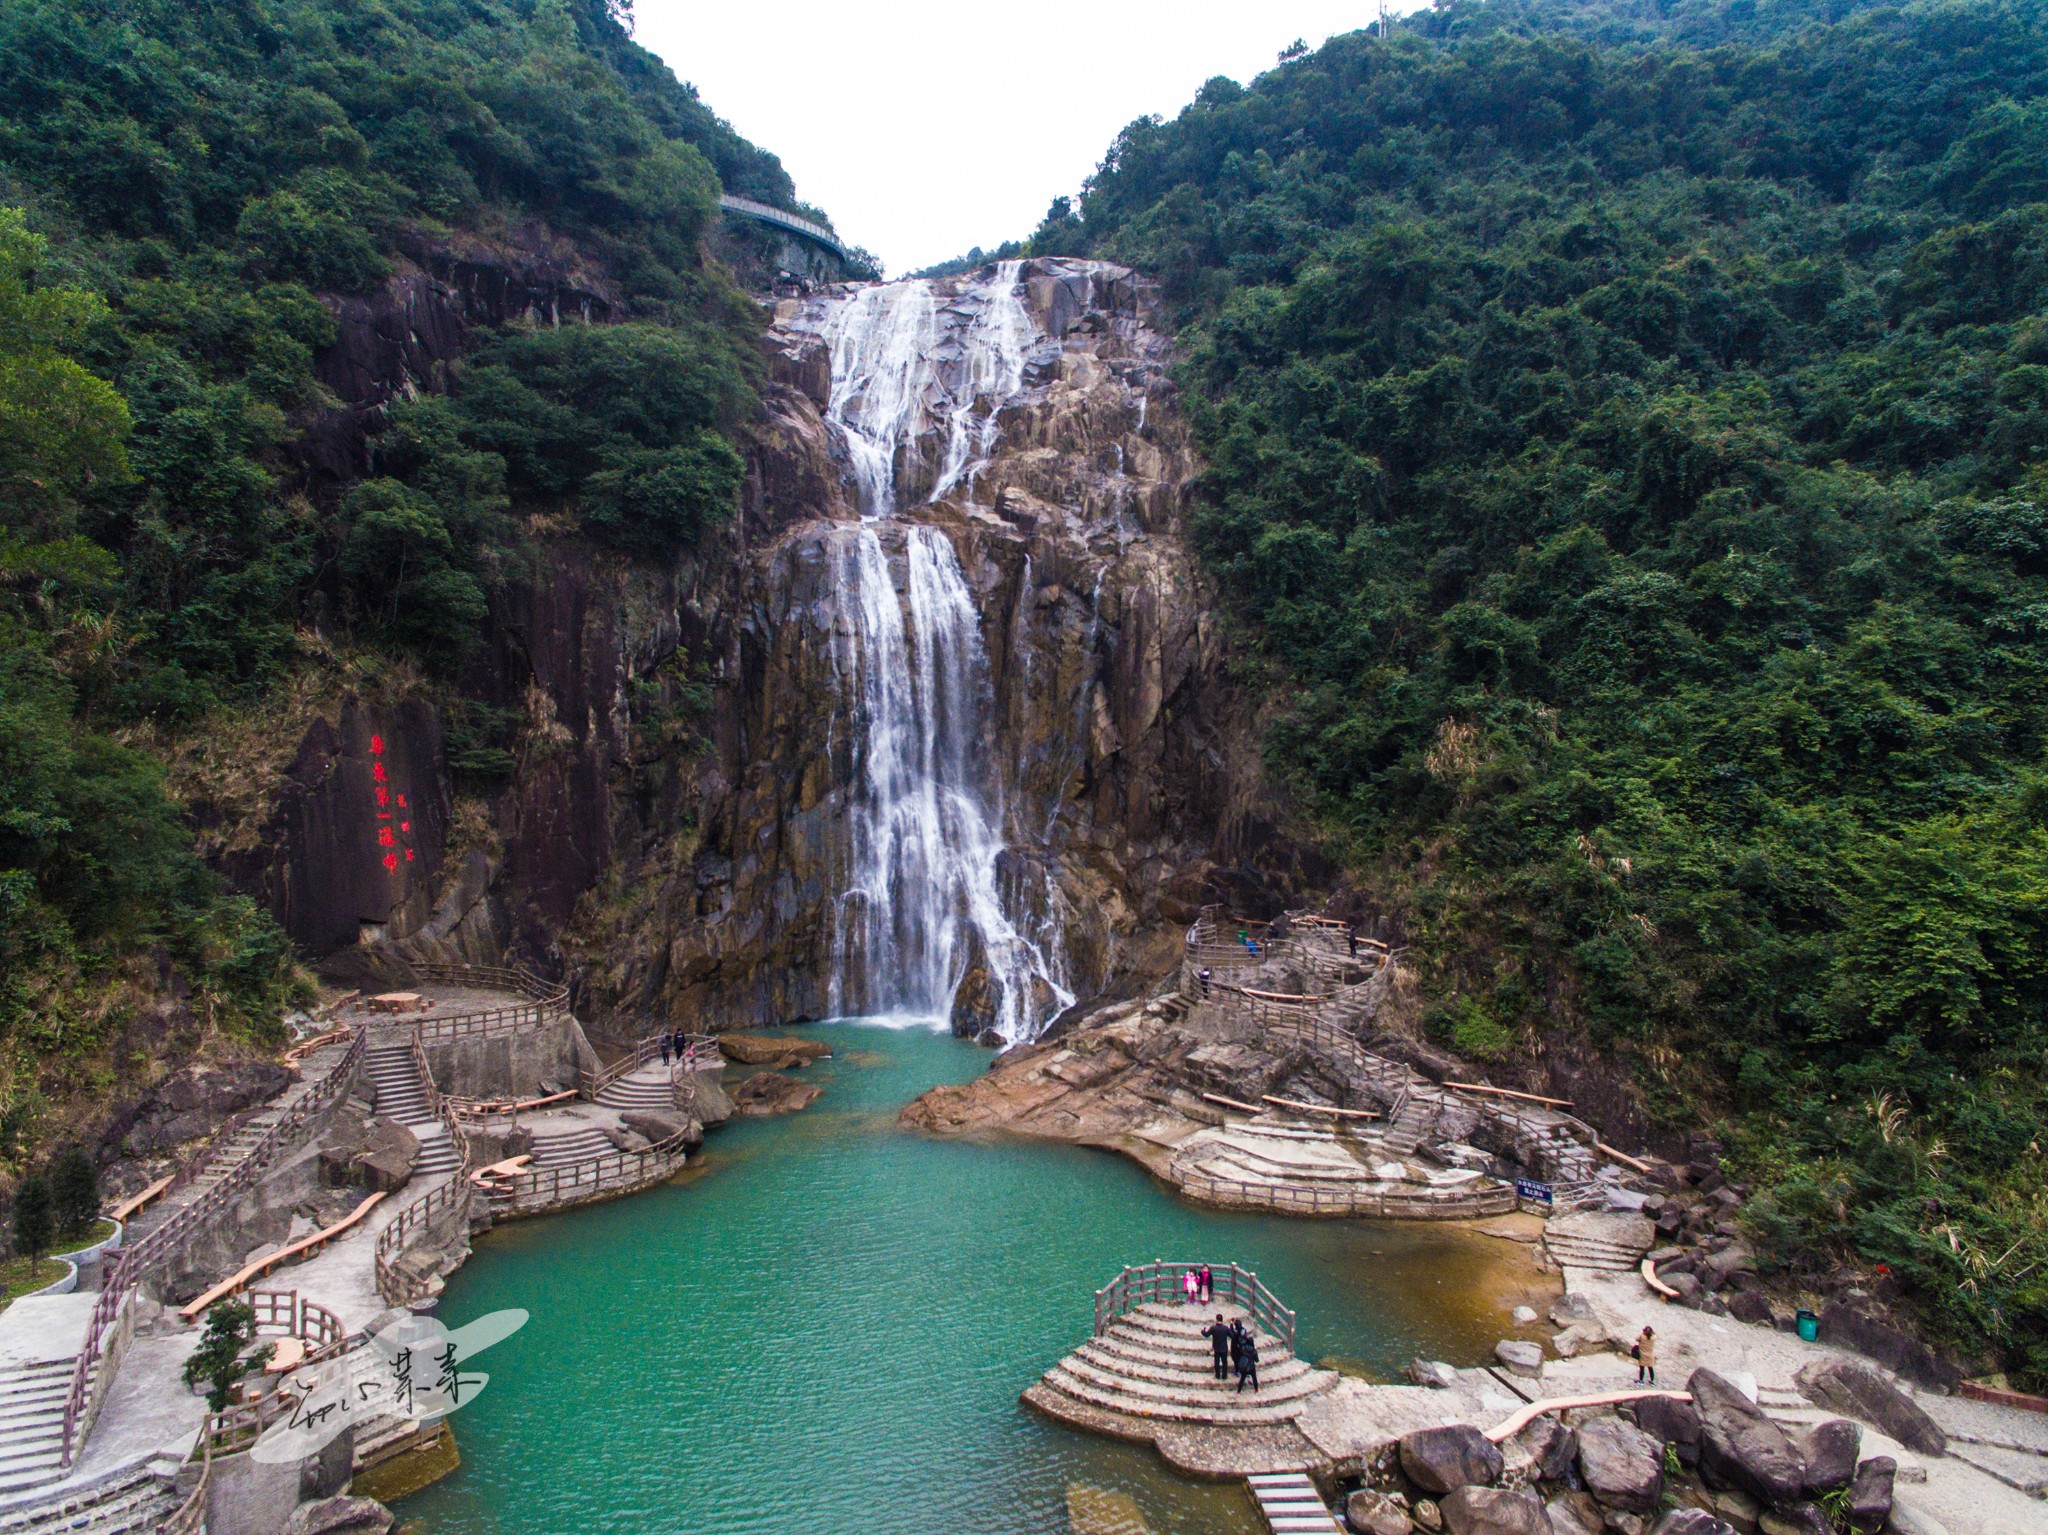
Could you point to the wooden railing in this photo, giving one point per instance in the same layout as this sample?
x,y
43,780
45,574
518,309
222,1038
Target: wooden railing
x,y
395,1285
601,1177
189,1517
151,1253
700,1053
1331,1201
1161,1283
547,1001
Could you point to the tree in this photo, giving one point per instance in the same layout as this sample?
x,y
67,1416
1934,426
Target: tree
x,y
34,1224
218,1360
75,1187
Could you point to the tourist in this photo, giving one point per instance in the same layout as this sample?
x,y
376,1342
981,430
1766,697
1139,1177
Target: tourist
x,y
1219,1335
1279,930
665,1041
1645,1352
1205,983
1188,1286
1248,1361
1351,937
1207,1281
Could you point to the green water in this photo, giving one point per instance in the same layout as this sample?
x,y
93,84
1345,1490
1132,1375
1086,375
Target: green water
x,y
827,1327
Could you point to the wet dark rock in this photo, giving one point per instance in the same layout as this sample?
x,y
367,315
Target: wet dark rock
x,y
1830,1450
1438,1460
1870,1495
1371,1512
1473,1510
1432,1372
1740,1447
1673,1422
770,1092
1796,1519
1853,1388
340,1516
1622,1466
1549,1446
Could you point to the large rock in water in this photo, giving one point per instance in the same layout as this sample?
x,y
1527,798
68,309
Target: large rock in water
x,y
1623,1466
1856,1390
1740,1447
1495,1511
1439,1460
770,1092
770,1050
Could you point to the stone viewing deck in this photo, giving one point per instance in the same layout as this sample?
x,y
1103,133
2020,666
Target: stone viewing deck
x,y
1147,1375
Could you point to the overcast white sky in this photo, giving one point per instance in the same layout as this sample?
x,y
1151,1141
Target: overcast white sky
x,y
925,128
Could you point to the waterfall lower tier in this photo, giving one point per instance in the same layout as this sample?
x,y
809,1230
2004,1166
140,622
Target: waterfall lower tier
x,y
924,909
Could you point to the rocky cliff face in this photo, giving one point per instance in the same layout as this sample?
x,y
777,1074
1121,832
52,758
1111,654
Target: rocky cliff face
x,y
680,832
1119,751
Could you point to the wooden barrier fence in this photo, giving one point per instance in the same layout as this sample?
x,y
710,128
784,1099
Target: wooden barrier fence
x,y
1161,1283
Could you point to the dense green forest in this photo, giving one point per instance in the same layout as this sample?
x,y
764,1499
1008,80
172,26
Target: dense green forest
x,y
1627,432
187,189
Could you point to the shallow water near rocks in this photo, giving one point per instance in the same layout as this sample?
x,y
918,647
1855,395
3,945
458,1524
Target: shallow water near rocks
x,y
826,1328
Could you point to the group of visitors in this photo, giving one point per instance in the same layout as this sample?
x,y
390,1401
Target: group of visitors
x,y
1232,1347
1198,1285
677,1045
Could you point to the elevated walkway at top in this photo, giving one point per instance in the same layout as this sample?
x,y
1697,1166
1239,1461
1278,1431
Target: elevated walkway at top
x,y
782,218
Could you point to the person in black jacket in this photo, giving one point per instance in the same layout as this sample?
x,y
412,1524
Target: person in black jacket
x,y
1220,1339
1247,1359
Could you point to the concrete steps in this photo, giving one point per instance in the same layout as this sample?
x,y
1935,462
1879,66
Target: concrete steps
x,y
560,1148
1155,1363
401,1094
648,1089
32,1398
437,1152
129,1502
1290,1505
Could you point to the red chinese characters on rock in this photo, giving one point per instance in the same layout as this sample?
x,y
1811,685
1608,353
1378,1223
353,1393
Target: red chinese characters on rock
x,y
394,818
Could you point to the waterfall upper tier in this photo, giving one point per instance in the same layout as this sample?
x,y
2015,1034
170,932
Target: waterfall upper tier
x,y
979,755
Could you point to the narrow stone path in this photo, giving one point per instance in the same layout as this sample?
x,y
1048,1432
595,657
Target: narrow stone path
x,y
1290,1504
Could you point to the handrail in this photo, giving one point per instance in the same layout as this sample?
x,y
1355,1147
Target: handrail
x,y
613,1172
151,1252
785,219
697,1049
1159,1282
189,1518
1344,1203
393,1284
192,1309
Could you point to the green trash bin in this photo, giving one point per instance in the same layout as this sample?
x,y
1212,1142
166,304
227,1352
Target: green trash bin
x,y
1808,1325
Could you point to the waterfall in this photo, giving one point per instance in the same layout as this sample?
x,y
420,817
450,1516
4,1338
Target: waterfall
x,y
925,903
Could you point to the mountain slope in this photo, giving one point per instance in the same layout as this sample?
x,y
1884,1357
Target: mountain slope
x,y
1632,458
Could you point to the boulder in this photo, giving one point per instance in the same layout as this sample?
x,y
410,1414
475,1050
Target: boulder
x,y
1574,1513
340,1516
1689,1521
1739,1446
1545,1446
1571,1310
768,1050
1843,1325
1854,1389
1619,1521
1795,1519
1428,1515
1523,1316
1432,1372
1523,1359
1674,1422
1870,1495
1622,1466
385,1161
1738,1509
1495,1511
1750,1306
655,1125
1371,1512
1830,1451
714,1104
770,1092
1438,1460
1581,1338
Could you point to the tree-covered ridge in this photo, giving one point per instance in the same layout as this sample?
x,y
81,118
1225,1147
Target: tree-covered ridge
x,y
189,190
1636,456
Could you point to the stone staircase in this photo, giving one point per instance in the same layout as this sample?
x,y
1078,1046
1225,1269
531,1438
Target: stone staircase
x,y
1153,1362
402,1095
1412,1122
1591,1239
131,1501
1274,1155
32,1398
559,1148
648,1089
1290,1504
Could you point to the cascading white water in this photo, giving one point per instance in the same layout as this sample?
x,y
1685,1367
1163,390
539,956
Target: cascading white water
x,y
924,901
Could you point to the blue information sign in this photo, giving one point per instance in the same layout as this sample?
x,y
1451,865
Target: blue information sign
x,y
1529,1188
